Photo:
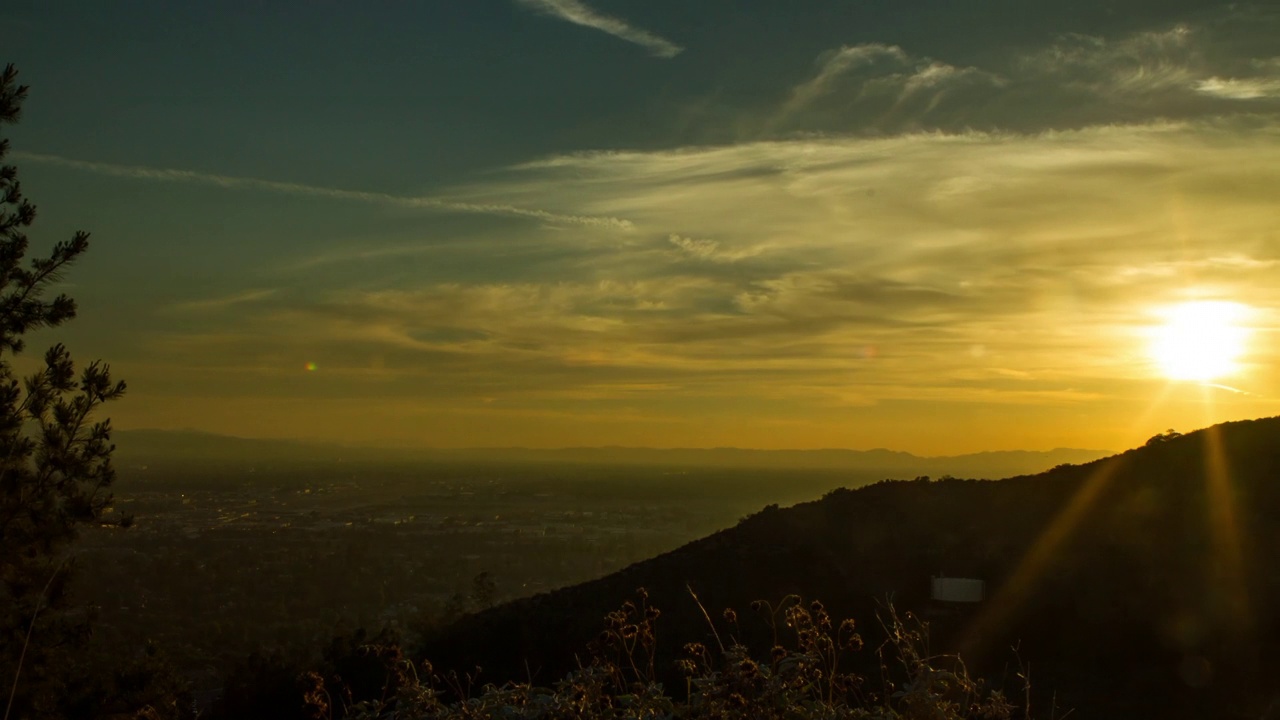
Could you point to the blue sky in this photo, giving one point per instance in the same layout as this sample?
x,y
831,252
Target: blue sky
x,y
933,226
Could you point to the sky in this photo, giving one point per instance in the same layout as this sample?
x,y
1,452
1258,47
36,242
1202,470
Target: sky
x,y
925,225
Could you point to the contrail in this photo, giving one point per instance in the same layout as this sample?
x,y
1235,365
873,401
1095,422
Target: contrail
x,y
140,172
579,13
1228,388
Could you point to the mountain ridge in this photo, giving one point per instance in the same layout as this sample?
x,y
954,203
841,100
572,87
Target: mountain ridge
x,y
1112,576
140,446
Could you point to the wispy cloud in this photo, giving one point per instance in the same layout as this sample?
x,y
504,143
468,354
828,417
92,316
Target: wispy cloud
x,y
579,13
1132,66
1240,88
830,285
1179,71
884,87
139,172
926,265
224,302
709,250
346,256
839,62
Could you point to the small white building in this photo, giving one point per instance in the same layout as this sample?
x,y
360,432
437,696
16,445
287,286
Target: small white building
x,y
957,590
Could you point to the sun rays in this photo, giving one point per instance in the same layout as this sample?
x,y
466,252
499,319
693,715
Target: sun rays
x,y
1197,343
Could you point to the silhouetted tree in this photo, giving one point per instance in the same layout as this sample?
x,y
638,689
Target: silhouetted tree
x,y
55,464
483,591
1164,437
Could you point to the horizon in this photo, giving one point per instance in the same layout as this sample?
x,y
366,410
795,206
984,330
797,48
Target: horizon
x,y
430,448
559,224
551,449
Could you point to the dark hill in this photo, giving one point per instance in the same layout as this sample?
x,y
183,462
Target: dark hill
x,y
1140,585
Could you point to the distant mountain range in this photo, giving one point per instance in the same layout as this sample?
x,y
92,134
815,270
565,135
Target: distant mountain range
x,y
167,447
1139,585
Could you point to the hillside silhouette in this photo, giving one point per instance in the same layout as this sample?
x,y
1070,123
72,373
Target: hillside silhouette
x,y
1139,585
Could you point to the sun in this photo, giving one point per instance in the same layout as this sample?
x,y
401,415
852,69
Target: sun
x,y
1201,340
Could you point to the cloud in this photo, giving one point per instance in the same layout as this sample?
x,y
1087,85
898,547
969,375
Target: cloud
x,y
579,13
1135,65
1181,71
838,63
914,240
819,285
223,303
1240,88
842,271
709,250
881,86
345,256
139,172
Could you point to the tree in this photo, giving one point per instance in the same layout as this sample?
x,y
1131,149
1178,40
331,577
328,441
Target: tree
x,y
1164,437
483,591
55,464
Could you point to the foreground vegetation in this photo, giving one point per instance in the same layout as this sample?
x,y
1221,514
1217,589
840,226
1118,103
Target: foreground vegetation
x,y
809,672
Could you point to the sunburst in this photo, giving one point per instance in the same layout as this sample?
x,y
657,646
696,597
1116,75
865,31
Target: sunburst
x,y
1201,340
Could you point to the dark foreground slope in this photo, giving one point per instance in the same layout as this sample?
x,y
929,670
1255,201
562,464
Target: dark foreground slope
x,y
1140,585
